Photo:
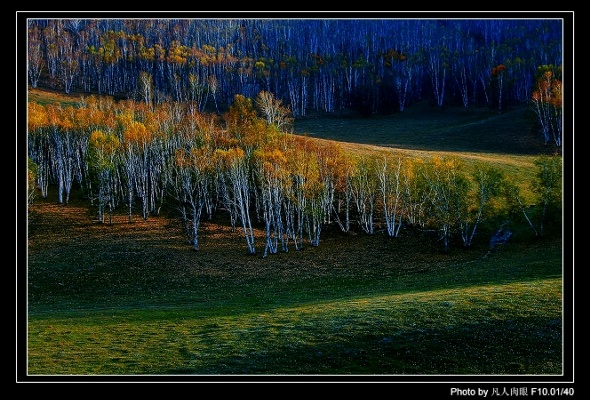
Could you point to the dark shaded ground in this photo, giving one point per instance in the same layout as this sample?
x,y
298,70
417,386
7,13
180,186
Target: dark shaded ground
x,y
421,127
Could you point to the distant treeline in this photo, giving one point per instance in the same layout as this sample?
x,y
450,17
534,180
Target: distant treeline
x,y
332,65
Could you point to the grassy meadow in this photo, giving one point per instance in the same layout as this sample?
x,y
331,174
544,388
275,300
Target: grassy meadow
x,y
134,299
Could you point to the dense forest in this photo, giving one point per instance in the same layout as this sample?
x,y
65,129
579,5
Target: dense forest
x,y
196,113
367,65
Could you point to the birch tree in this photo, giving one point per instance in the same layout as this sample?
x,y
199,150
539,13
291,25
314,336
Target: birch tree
x,y
517,204
447,187
146,87
547,101
35,59
237,170
272,178
102,157
316,195
62,150
498,73
273,111
474,208
389,174
344,190
548,188
38,144
301,166
416,192
137,139
364,193
134,137
190,184
31,180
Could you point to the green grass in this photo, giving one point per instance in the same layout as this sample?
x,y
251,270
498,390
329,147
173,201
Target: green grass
x,y
512,328
424,128
134,299
44,97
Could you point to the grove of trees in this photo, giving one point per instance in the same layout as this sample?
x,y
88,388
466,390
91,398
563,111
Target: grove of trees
x,y
137,156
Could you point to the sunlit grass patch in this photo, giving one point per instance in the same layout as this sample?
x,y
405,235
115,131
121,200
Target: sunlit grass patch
x,y
474,330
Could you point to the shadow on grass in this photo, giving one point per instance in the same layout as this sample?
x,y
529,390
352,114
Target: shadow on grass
x,y
521,346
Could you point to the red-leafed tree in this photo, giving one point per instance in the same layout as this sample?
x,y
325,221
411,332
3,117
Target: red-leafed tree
x,y
498,73
547,100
